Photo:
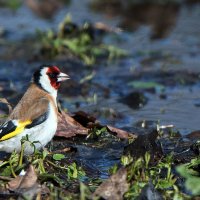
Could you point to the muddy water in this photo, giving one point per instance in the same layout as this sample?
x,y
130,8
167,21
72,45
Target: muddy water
x,y
173,61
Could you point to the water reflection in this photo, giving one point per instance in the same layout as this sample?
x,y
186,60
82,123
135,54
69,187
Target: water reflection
x,y
161,16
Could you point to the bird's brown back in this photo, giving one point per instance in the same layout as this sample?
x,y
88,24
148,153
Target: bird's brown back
x,y
33,104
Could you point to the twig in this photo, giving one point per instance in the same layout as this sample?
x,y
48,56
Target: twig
x,y
5,178
59,167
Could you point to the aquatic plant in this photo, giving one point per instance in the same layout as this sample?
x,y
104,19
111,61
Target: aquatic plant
x,y
84,42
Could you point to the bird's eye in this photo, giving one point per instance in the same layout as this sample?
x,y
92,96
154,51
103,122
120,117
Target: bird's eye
x,y
52,75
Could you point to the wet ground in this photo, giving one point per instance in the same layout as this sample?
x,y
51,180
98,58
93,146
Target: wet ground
x,y
158,82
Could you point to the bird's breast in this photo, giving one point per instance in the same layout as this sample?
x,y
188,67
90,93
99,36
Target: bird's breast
x,y
45,131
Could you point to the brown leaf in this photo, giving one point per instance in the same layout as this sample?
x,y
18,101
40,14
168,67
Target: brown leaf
x,y
121,133
69,127
29,179
24,182
27,186
14,184
114,187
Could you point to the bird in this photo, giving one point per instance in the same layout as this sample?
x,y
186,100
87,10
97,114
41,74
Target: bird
x,y
36,114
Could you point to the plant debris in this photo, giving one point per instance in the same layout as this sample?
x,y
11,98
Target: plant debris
x,y
26,185
121,133
114,187
23,182
68,127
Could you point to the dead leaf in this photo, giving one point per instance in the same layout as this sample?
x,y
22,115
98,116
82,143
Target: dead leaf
x,y
29,179
80,124
114,187
27,185
23,182
5,178
14,184
121,133
69,127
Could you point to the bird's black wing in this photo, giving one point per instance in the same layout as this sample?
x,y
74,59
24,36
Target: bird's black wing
x,y
7,127
38,120
12,128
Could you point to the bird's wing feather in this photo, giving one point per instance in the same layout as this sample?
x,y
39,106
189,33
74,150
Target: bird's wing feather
x,y
38,120
30,108
35,113
11,128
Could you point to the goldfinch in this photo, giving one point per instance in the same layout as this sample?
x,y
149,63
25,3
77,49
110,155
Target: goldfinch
x,y
36,113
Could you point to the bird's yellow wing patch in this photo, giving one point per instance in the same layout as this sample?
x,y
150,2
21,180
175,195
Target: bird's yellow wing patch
x,y
19,128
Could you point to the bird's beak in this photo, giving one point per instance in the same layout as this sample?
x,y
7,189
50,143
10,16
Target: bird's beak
x,y
62,77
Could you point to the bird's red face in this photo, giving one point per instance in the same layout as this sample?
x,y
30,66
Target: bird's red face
x,y
56,76
49,77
